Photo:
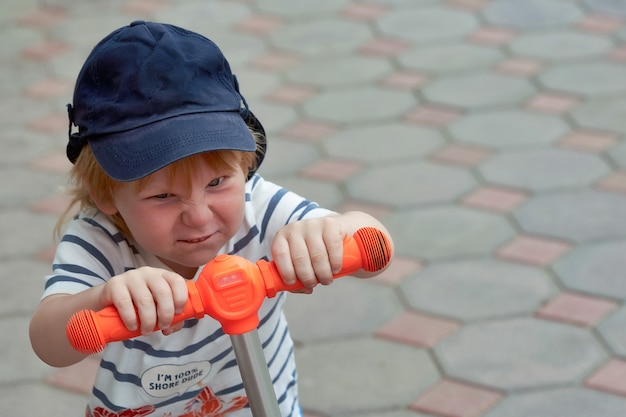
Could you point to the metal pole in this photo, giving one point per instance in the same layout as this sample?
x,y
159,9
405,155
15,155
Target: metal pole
x,y
255,374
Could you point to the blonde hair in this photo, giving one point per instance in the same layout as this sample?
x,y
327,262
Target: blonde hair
x,y
87,179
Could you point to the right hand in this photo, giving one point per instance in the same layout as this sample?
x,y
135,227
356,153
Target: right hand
x,y
147,297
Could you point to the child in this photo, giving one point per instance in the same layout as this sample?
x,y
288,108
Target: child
x,y
164,172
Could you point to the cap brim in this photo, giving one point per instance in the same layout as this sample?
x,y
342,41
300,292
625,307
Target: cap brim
x,y
134,154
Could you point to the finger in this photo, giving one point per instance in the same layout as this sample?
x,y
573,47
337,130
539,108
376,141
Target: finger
x,y
179,290
281,256
163,302
144,303
302,262
319,260
334,249
123,302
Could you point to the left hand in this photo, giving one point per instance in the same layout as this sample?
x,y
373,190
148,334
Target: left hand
x,y
310,251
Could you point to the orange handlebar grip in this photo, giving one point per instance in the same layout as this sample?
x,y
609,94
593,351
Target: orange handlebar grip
x,y
369,249
88,331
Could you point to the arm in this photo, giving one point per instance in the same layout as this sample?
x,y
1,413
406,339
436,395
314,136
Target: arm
x,y
145,296
312,250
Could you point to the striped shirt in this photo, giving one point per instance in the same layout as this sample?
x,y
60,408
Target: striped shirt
x,y
194,371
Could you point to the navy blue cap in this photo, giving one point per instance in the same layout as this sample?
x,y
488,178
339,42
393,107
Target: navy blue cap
x,y
150,94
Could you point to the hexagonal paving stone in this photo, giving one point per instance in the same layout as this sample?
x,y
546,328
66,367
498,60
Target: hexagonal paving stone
x,y
478,90
383,142
198,16
339,71
595,268
560,45
508,128
588,78
305,8
318,37
602,113
286,157
325,193
544,169
478,289
351,376
322,315
612,329
445,232
427,24
520,353
611,7
530,14
572,402
618,154
430,183
579,216
359,105
450,58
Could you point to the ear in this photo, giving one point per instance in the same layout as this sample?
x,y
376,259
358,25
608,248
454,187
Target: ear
x,y
107,207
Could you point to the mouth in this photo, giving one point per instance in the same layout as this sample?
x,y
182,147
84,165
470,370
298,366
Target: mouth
x,y
196,240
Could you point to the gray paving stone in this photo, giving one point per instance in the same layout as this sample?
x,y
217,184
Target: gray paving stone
x,y
238,48
570,402
326,194
274,117
287,157
603,114
322,316
355,375
579,216
20,147
321,37
481,89
448,58
301,9
612,330
447,232
27,186
587,78
508,128
23,278
256,84
402,413
561,45
366,104
617,154
520,353
24,366
424,25
532,14
13,9
24,233
341,71
478,289
37,400
383,142
544,169
429,183
594,268
611,7
203,16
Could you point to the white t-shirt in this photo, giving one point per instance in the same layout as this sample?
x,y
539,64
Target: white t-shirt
x,y
192,372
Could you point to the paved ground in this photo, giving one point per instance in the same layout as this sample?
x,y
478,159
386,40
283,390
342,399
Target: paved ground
x,y
487,135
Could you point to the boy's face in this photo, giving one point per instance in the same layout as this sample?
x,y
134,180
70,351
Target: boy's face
x,y
183,221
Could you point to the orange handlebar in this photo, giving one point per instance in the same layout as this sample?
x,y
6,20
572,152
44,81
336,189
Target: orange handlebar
x,y
230,289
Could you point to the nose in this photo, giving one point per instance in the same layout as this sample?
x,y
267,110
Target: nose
x,y
196,213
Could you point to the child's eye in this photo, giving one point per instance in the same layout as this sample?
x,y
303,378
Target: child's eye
x,y
162,196
215,182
